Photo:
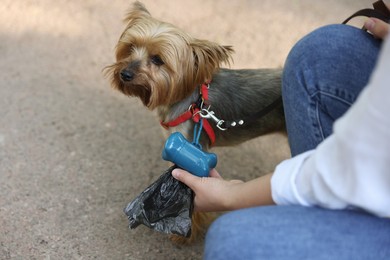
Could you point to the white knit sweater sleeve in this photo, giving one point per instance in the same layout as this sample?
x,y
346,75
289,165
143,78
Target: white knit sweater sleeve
x,y
351,168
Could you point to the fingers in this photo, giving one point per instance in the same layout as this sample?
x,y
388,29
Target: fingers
x,y
211,193
192,180
377,27
185,177
215,174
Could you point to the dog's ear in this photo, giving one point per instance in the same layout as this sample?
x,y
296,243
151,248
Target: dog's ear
x,y
137,10
208,57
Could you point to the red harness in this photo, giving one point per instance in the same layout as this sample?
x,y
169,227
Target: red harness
x,y
194,113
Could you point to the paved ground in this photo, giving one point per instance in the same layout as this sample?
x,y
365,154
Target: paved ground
x,y
73,152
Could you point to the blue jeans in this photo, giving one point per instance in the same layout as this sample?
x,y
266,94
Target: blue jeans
x,y
323,75
294,232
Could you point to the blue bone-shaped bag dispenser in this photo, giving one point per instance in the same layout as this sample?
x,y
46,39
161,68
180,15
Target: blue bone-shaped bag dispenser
x,y
188,156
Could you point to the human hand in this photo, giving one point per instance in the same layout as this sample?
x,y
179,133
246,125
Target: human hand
x,y
216,194
377,27
211,193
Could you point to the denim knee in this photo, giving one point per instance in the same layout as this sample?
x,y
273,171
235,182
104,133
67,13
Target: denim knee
x,y
223,237
323,75
320,55
216,239
296,232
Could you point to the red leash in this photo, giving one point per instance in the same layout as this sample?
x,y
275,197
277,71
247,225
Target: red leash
x,y
193,113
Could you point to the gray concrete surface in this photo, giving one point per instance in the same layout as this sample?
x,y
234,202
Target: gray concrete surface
x,y
73,152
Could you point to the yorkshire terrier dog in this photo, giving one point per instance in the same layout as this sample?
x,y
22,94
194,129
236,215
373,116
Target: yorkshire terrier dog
x,y
181,77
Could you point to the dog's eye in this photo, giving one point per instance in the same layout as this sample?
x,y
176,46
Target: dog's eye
x,y
156,60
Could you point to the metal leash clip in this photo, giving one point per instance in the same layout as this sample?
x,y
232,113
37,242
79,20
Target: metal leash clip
x,y
205,113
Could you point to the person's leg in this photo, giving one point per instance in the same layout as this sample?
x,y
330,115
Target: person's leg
x,y
295,232
323,75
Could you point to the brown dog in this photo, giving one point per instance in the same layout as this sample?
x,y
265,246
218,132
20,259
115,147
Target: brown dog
x,y
181,78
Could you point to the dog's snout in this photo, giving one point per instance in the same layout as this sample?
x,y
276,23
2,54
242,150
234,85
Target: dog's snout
x,y
127,75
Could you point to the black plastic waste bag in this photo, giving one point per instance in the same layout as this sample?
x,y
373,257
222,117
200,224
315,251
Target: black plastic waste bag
x,y
164,206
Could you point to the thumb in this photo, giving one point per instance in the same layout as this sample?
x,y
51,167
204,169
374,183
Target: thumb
x,y
377,27
185,177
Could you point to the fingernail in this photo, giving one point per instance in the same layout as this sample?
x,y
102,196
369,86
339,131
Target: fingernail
x,y
175,173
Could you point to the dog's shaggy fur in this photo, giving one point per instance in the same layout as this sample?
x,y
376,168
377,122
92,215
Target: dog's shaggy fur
x,y
164,67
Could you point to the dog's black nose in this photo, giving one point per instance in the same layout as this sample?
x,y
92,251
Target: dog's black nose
x,y
127,75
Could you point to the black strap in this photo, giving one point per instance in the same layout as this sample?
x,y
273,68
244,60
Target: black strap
x,y
380,11
381,7
238,122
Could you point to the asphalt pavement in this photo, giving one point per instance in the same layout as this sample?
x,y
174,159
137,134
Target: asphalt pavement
x,y
74,152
